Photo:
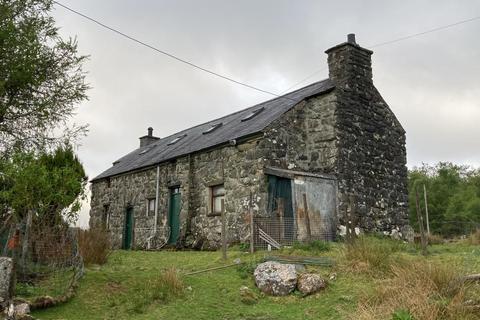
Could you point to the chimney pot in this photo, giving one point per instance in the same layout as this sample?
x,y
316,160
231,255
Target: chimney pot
x,y
150,131
351,38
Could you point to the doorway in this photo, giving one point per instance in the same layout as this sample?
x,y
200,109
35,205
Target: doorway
x,y
128,230
280,202
174,214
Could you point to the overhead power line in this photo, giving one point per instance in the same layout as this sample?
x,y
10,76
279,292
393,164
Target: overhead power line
x,y
170,55
394,41
229,78
424,32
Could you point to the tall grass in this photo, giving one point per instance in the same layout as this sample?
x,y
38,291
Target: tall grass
x,y
426,290
474,238
371,255
94,246
163,288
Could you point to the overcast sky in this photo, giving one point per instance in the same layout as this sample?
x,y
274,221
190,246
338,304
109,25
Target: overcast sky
x,y
431,82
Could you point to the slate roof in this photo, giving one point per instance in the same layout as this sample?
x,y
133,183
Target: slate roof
x,y
232,128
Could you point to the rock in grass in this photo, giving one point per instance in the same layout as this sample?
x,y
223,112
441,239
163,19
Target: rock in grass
x,y
276,279
309,283
247,296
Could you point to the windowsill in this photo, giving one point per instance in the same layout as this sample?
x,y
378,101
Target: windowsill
x,y
214,214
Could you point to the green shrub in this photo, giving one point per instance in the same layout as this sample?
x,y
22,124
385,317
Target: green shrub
x,y
313,246
402,315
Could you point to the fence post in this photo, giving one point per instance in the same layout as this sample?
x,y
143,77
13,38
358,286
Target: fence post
x,y
307,218
224,236
426,208
252,228
281,214
420,223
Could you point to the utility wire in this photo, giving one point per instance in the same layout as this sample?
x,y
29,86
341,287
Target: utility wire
x,y
394,41
424,32
170,55
228,78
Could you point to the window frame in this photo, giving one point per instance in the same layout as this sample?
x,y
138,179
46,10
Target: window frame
x,y
212,198
106,216
151,212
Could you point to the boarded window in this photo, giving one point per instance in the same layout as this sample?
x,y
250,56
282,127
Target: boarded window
x,y
106,216
217,198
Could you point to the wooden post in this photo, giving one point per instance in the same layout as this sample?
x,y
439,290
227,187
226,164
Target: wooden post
x,y
252,227
281,214
426,208
307,218
224,229
351,217
420,223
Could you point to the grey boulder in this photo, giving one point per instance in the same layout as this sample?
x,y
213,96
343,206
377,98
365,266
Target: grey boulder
x,y
276,279
309,283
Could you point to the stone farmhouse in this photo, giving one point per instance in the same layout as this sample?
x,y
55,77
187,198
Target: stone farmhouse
x,y
310,149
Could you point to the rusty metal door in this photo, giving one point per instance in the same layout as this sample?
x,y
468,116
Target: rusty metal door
x,y
321,206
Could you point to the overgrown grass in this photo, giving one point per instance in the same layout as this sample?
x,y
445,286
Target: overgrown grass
x,y
474,238
315,246
134,285
94,245
159,289
371,255
426,290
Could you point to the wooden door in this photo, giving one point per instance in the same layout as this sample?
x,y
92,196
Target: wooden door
x,y
128,230
174,215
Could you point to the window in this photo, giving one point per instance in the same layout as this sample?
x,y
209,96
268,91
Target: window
x,y
150,207
253,114
176,139
217,199
213,128
106,217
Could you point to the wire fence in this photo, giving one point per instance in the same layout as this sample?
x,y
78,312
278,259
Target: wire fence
x,y
47,262
275,231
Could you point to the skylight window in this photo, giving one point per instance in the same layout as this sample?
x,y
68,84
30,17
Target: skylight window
x,y
253,114
145,151
213,128
176,139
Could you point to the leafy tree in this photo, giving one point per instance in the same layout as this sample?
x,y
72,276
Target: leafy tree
x,y
49,185
41,78
453,197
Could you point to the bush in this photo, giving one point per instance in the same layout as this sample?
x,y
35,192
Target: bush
x,y
435,239
371,255
160,289
474,238
94,246
314,246
427,290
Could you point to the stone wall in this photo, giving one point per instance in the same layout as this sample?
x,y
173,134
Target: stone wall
x,y
372,154
239,168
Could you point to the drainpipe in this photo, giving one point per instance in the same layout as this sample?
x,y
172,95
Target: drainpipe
x,y
149,239
156,202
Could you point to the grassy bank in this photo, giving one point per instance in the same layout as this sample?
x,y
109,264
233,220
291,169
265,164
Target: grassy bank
x,y
134,285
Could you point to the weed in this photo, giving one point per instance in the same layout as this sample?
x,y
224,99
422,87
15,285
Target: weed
x,y
474,238
245,270
371,255
402,315
314,246
435,239
94,246
160,289
428,290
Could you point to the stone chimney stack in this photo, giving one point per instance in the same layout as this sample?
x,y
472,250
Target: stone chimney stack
x,y
348,64
148,139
